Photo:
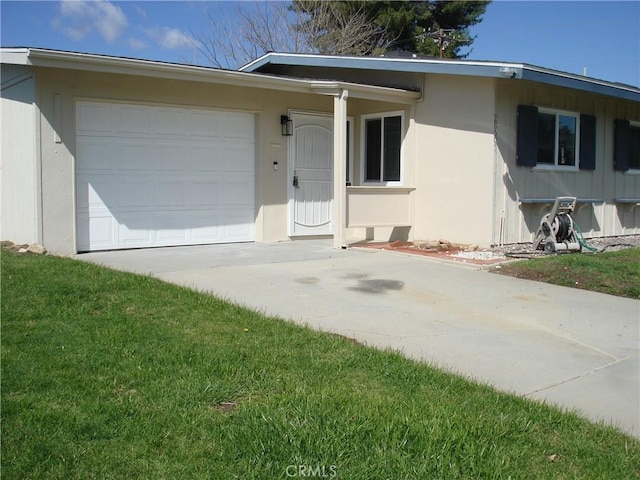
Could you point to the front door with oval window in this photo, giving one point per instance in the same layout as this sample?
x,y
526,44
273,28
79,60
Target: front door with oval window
x,y
311,175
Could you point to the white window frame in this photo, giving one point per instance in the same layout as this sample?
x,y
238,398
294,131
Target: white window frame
x,y
633,171
350,122
555,166
363,148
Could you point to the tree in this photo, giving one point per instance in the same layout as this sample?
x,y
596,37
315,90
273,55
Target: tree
x,y
370,27
252,30
436,27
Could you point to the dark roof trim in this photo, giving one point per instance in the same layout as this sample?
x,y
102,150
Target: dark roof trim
x,y
519,71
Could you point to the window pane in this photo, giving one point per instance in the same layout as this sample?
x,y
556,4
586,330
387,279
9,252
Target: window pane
x,y
392,142
566,140
373,131
634,147
546,138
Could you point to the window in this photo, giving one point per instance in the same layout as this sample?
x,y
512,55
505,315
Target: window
x,y
382,147
555,138
626,146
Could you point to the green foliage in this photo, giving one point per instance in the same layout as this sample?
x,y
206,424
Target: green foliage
x,y
423,27
112,375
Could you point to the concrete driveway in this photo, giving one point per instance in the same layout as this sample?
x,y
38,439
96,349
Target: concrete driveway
x,y
570,347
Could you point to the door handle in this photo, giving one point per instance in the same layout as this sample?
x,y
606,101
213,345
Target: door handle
x,y
295,181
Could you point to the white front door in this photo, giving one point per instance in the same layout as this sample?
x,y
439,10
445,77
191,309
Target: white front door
x,y
311,175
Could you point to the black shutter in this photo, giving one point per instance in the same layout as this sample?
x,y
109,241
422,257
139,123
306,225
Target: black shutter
x,y
621,145
587,142
527,136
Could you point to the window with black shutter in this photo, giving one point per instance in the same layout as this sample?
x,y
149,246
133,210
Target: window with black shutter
x,y
554,138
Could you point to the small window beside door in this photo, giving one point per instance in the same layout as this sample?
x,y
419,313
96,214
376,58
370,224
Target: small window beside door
x,y
382,145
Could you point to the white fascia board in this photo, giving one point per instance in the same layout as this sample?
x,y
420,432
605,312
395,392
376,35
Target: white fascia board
x,y
148,68
14,56
417,65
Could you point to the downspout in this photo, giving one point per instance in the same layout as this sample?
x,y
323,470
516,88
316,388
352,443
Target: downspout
x,y
339,168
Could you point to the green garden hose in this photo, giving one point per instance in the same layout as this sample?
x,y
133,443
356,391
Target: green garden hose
x,y
581,239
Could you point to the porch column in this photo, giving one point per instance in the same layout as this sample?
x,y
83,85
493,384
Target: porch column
x,y
340,168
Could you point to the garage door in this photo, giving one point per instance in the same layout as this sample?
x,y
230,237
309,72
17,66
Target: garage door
x,y
150,176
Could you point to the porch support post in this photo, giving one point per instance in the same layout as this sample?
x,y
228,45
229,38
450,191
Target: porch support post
x,y
340,168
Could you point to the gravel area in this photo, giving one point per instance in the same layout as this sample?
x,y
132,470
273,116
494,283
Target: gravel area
x,y
602,244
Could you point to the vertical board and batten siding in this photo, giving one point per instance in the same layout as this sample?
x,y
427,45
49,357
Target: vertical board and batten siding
x,y
518,222
19,172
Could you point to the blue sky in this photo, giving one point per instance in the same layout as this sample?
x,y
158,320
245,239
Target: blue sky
x,y
601,36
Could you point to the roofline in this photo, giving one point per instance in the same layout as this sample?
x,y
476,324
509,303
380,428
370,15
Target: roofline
x,y
518,71
39,57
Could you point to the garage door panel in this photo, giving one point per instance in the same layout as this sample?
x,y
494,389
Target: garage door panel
x,y
97,154
150,181
133,120
171,228
205,124
133,193
206,226
97,231
204,158
237,126
169,157
205,193
94,119
169,122
237,193
135,229
134,155
237,226
171,193
236,158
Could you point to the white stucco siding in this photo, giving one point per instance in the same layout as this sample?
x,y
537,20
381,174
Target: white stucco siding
x,y
454,160
66,88
19,171
517,222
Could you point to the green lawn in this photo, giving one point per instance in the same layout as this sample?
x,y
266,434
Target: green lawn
x,y
615,273
112,375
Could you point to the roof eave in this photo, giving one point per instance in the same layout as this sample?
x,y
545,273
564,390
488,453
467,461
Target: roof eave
x,y
453,67
576,82
127,66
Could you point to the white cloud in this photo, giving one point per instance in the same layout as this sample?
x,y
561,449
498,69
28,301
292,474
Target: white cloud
x,y
137,44
140,11
78,18
171,38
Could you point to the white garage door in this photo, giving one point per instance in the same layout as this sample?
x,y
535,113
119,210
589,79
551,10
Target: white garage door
x,y
158,176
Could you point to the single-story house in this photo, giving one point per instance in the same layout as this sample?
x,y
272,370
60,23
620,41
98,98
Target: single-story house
x,y
102,152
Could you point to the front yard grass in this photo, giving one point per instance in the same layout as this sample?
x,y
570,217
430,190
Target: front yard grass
x,y
616,273
112,375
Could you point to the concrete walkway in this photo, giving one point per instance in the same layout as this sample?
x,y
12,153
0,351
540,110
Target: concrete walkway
x,y
570,347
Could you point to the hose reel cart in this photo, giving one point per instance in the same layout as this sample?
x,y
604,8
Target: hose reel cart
x,y
557,230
